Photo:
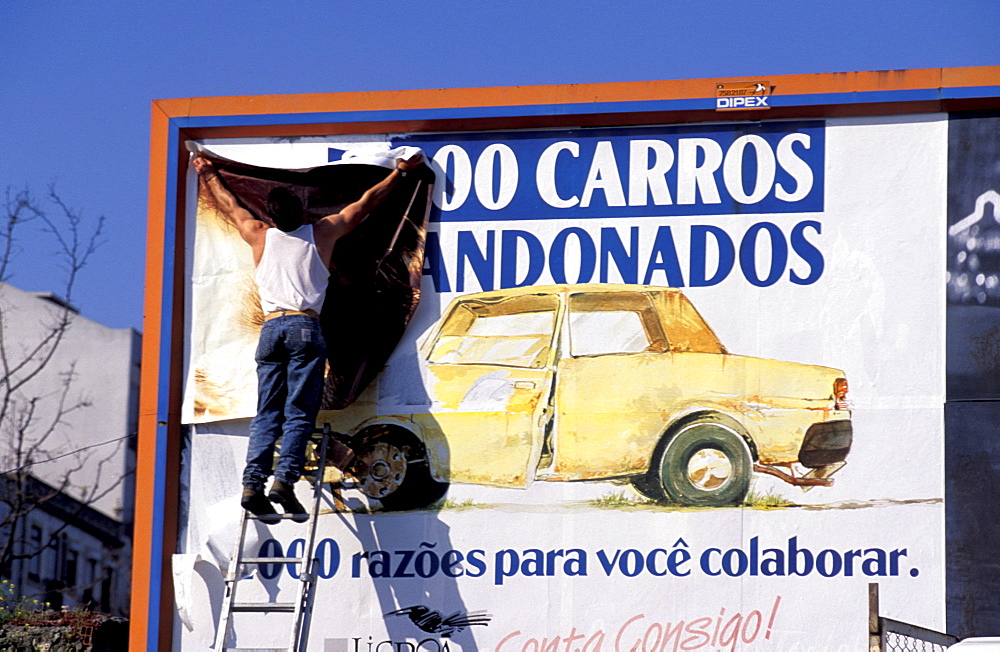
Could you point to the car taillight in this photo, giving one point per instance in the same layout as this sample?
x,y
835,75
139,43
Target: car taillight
x,y
840,394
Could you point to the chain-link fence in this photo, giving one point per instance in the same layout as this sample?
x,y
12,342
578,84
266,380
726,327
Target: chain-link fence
x,y
888,635
904,637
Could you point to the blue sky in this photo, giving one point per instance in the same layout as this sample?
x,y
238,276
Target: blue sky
x,y
77,79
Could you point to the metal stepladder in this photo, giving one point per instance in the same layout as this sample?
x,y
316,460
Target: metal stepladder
x,y
300,608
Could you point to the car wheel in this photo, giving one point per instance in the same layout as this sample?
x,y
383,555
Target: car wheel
x,y
392,467
706,463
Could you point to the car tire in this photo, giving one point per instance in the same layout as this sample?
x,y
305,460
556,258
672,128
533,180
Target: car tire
x,y
648,485
705,463
392,467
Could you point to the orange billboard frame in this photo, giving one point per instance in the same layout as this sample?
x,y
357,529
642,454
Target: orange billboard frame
x,y
173,121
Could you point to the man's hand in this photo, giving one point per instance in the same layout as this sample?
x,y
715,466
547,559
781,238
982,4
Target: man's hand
x,y
408,164
202,165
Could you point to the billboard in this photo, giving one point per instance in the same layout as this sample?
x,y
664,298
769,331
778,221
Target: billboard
x,y
668,385
971,411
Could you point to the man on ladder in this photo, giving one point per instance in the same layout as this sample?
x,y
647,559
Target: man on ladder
x,y
292,270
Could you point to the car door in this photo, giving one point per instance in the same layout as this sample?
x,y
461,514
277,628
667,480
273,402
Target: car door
x,y
610,386
490,374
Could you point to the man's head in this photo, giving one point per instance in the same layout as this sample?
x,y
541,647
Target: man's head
x,y
285,208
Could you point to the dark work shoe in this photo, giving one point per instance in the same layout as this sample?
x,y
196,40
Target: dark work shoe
x,y
253,501
284,495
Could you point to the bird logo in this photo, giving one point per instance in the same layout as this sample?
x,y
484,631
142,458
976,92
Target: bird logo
x,y
434,622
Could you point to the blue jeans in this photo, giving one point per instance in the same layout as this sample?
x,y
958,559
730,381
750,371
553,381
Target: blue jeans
x,y
291,362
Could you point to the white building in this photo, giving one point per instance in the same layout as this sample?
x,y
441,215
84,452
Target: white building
x,y
70,426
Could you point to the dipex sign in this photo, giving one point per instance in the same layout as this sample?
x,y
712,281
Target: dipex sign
x,y
742,95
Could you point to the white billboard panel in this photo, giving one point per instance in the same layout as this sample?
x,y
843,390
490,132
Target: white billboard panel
x,y
627,468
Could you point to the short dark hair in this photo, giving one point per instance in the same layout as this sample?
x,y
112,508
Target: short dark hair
x,y
285,208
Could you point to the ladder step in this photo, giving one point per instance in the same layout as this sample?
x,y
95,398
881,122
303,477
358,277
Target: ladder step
x,y
274,518
271,560
287,607
303,606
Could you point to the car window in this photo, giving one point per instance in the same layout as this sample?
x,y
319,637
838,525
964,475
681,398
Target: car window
x,y
512,340
613,322
612,331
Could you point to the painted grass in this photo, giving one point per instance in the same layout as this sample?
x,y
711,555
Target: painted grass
x,y
619,500
455,505
629,500
623,499
766,500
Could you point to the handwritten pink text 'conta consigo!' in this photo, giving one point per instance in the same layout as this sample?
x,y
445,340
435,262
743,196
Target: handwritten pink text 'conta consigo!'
x,y
643,634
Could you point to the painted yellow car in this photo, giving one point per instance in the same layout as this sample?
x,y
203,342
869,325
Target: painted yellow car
x,y
593,382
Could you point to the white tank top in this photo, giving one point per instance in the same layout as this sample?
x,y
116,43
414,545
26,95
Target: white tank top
x,y
291,275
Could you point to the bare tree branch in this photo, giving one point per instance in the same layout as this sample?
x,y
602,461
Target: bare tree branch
x,y
33,420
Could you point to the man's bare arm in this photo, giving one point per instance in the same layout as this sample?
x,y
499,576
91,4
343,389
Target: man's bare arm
x,y
352,214
250,228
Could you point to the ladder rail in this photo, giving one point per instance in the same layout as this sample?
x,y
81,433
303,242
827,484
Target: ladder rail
x,y
307,574
230,580
301,608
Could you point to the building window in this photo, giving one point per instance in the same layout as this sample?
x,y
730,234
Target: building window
x,y
70,567
50,559
62,545
36,552
106,585
90,581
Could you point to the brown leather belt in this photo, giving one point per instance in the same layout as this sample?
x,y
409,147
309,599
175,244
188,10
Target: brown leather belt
x,y
282,313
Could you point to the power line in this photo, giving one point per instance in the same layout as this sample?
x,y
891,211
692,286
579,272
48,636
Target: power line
x,y
57,457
